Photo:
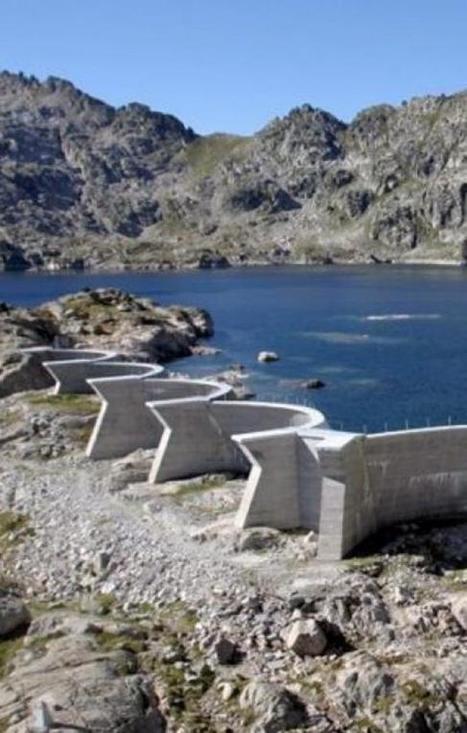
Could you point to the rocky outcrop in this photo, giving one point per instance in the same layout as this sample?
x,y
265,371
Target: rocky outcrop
x,y
85,184
105,318
76,673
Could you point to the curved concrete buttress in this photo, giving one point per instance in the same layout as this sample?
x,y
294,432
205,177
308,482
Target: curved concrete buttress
x,y
374,481
284,483
198,434
193,443
50,353
125,422
72,377
343,484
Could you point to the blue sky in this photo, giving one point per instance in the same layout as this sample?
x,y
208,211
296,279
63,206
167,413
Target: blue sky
x,y
232,65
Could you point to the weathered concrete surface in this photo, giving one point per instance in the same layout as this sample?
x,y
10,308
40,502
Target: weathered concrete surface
x,y
370,482
67,366
46,354
342,477
72,377
126,423
198,436
193,442
284,484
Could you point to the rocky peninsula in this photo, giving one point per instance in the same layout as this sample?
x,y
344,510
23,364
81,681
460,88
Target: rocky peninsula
x,y
84,184
105,318
131,607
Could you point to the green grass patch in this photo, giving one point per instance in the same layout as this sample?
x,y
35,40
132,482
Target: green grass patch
x,y
371,565
106,602
366,725
178,618
188,488
184,697
39,643
419,696
206,153
109,642
72,403
84,308
11,522
10,417
13,529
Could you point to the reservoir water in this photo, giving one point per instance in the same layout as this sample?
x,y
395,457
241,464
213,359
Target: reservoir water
x,y
389,342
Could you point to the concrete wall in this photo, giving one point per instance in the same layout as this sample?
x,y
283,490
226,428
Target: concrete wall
x,y
71,377
378,480
340,474
48,353
284,484
199,437
68,365
193,442
125,423
255,417
301,474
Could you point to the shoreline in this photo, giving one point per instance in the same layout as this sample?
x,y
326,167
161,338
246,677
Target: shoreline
x,y
428,262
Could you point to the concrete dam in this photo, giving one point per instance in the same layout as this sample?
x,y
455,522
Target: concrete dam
x,y
301,473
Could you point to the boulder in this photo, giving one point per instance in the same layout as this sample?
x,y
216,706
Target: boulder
x,y
363,683
306,638
273,707
133,468
313,384
226,651
13,614
459,610
212,261
258,538
267,356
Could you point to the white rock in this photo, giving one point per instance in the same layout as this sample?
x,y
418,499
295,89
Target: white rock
x,y
306,638
459,610
267,356
227,691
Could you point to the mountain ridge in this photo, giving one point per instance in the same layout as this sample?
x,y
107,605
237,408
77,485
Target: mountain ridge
x,y
83,183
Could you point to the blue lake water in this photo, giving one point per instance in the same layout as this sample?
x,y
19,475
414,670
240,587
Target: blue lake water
x,y
390,342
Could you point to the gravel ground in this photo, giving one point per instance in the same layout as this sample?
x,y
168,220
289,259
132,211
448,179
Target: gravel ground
x,y
77,524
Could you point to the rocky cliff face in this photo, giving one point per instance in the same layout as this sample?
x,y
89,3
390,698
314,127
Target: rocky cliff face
x,y
83,183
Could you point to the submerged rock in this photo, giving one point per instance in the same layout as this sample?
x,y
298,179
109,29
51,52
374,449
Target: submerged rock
x,y
313,384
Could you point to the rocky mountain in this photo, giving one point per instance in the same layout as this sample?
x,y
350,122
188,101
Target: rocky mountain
x,y
85,184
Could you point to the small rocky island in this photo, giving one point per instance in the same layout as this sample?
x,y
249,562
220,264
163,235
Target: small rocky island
x,y
131,607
